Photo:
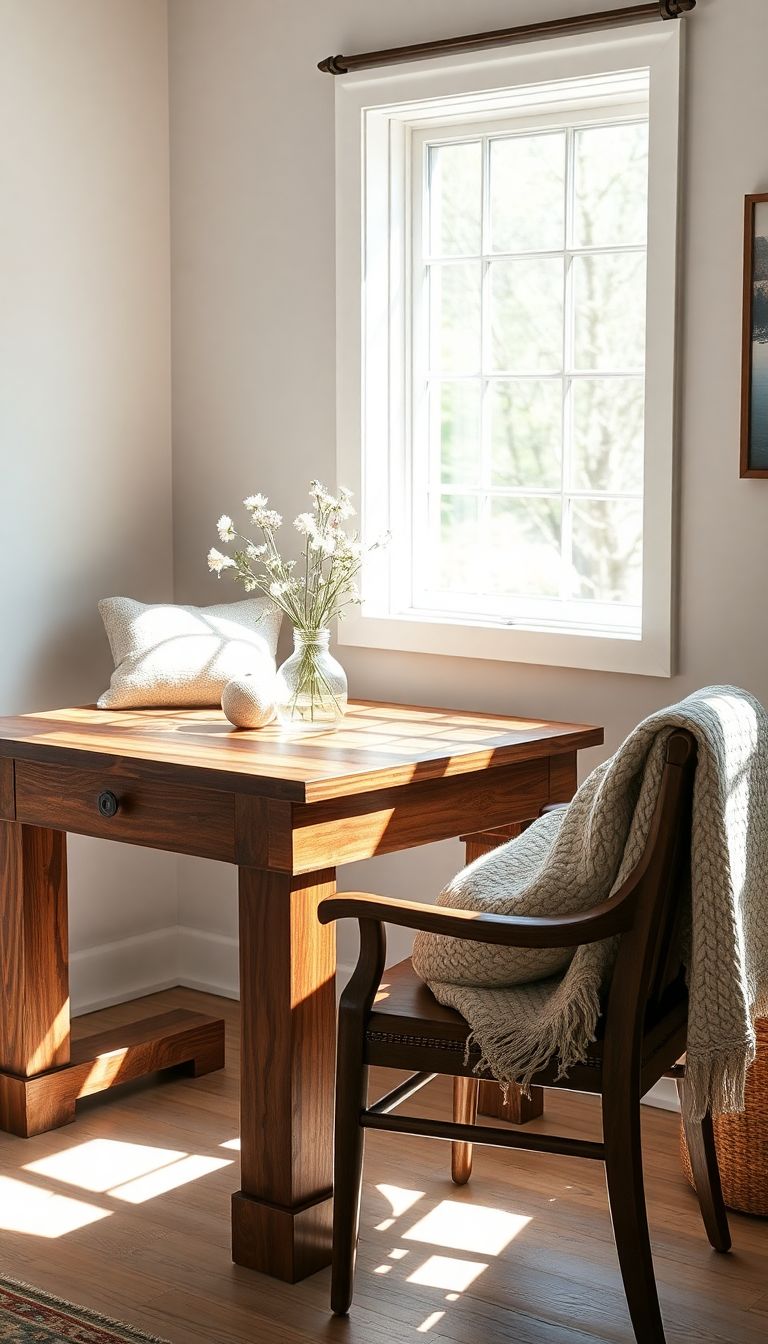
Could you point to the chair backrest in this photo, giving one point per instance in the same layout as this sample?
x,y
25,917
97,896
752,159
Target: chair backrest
x,y
648,961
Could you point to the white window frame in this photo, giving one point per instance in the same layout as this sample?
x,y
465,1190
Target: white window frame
x,y
377,115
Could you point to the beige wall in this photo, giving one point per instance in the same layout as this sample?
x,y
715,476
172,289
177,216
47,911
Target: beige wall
x,y
253,353
85,483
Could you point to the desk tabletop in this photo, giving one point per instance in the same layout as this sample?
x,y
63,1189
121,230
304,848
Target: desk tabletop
x,y
377,746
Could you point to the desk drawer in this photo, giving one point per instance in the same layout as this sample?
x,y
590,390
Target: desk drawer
x,y
115,805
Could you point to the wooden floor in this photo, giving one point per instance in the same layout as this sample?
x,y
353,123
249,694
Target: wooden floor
x,y
127,1211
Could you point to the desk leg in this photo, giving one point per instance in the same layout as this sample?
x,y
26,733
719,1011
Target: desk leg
x,y
281,1218
34,976
43,1072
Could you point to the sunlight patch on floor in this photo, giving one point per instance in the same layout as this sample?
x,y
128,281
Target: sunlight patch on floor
x,y
131,1172
100,1164
443,1271
168,1178
41,1213
467,1227
400,1199
459,1225
430,1321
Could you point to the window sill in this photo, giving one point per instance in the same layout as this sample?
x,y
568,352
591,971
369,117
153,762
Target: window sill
x,y
649,655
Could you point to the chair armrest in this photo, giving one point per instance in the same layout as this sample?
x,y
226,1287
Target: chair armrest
x,y
589,926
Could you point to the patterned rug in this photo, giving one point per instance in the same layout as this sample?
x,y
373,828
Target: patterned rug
x,y
28,1316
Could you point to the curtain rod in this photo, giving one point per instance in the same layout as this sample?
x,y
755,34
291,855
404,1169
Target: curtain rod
x,y
447,46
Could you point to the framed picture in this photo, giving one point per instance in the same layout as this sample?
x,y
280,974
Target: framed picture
x,y
754,355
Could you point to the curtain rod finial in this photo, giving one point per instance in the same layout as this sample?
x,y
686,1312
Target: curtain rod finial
x,y
673,9
333,65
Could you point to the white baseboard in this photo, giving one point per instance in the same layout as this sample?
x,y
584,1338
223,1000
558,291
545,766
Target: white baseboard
x,y
208,962
119,971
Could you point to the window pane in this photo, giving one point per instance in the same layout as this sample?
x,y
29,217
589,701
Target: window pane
x,y
455,427
527,315
455,174
454,562
528,193
522,548
454,301
607,550
611,185
609,302
526,431
608,427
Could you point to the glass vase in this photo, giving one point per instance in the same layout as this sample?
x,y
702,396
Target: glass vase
x,y
311,689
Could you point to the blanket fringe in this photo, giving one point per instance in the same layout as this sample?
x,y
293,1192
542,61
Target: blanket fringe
x,y
516,1054
715,1081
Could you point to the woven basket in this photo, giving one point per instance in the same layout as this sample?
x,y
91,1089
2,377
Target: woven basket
x,y
742,1140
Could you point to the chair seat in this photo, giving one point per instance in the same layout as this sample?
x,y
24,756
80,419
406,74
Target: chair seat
x,y
406,1004
409,1029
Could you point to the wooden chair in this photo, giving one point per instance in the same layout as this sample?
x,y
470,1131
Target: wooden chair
x,y
642,1033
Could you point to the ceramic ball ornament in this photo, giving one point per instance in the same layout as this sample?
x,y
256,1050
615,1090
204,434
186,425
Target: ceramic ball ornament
x,y
249,701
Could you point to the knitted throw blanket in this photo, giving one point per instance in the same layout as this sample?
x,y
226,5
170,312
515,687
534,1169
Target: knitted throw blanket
x,y
572,860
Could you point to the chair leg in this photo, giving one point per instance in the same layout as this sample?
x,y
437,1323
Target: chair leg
x,y
351,1099
626,1196
700,1138
465,1094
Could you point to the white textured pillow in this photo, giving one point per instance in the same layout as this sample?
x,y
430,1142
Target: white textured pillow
x,y
178,657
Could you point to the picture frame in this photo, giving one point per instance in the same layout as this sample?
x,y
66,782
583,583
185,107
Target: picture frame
x,y
754,355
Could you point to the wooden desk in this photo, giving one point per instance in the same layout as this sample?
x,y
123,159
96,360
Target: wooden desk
x,y
286,810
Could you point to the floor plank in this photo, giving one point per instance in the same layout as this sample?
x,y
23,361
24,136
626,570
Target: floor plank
x,y
127,1211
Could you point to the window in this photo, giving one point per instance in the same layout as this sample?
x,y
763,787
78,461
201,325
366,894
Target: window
x,y
513,274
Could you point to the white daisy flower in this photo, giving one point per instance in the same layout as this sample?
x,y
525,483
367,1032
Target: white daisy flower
x,y
306,524
324,542
218,562
226,528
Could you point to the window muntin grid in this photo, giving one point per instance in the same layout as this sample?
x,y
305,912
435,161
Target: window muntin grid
x,y
501,509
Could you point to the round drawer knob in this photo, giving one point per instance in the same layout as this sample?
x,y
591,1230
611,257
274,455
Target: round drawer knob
x,y
107,804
